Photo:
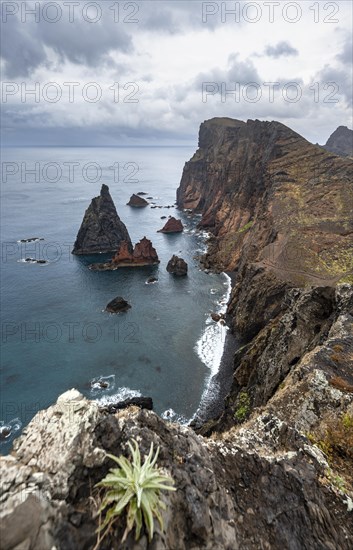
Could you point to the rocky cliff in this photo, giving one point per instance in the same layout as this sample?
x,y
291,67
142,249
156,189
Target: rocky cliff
x,y
262,486
279,214
341,142
101,230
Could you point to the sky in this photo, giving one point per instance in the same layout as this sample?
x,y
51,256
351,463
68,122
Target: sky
x,y
102,73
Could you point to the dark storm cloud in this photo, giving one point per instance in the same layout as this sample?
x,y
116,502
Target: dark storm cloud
x,y
85,43
81,42
281,49
21,50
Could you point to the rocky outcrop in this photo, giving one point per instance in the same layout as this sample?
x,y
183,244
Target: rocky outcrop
x,y
262,486
172,226
101,230
177,266
143,254
118,305
137,202
341,142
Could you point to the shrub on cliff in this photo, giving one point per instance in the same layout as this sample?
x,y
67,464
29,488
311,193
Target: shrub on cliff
x,y
135,487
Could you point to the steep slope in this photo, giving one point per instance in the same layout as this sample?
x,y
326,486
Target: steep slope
x,y
340,142
278,207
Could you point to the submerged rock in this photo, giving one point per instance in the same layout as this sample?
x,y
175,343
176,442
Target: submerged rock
x,y
137,202
101,230
172,226
31,240
118,305
177,266
151,280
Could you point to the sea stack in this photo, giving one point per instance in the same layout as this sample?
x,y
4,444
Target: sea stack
x,y
137,202
101,230
118,305
143,254
172,226
177,266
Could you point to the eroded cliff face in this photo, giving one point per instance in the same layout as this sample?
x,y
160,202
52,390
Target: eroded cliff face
x,y
279,211
258,487
272,199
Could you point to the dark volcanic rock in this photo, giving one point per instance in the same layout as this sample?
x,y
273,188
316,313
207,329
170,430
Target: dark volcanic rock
x,y
101,230
172,226
177,266
141,402
253,488
341,142
137,202
118,305
151,280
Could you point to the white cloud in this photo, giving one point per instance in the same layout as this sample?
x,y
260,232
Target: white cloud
x,y
169,53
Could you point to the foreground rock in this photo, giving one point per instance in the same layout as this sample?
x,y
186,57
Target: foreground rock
x,y
118,305
101,230
137,202
260,487
177,266
142,255
172,226
341,142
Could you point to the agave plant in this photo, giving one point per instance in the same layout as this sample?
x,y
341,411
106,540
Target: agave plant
x,y
135,487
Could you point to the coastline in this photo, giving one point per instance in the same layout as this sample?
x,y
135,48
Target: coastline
x,y
219,383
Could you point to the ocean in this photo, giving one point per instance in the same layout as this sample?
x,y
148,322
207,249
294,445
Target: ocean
x,y
55,332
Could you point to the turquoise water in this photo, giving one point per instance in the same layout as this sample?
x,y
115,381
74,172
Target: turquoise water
x,y
55,333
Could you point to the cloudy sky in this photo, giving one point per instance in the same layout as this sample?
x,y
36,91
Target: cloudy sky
x,y
149,72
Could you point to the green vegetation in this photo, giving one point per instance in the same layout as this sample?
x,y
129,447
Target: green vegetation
x,y
336,480
243,408
335,438
135,487
246,227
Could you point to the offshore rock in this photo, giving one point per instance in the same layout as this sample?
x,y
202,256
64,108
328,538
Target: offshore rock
x,y
118,305
177,266
101,230
172,226
255,487
142,255
137,201
341,142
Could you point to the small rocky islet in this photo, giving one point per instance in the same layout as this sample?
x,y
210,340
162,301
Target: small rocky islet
x,y
274,468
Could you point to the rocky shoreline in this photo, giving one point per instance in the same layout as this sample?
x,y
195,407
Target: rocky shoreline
x,y
273,469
